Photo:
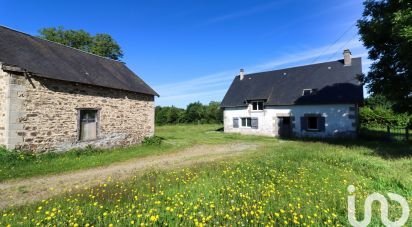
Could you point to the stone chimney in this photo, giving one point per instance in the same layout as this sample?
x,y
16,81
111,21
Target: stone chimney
x,y
242,74
347,57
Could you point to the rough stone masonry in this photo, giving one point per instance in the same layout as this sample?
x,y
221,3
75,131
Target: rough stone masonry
x,y
41,114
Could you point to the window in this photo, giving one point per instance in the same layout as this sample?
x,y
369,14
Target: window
x,y
88,124
313,123
257,105
309,91
247,122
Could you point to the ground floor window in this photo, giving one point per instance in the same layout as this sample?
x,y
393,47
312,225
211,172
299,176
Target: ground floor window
x,y
313,123
88,124
247,122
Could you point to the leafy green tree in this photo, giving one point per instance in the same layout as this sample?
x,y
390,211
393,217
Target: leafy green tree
x,y
195,113
214,112
105,45
169,115
100,44
160,115
386,31
378,101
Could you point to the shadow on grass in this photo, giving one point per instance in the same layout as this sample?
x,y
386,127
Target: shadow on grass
x,y
384,148
221,129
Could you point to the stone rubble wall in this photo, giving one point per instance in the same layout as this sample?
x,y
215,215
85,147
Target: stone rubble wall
x,y
3,87
44,114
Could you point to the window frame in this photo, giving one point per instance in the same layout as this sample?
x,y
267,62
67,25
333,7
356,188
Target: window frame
x,y
247,119
79,122
311,91
256,103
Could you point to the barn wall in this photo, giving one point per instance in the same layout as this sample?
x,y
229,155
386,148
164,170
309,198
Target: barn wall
x,y
46,117
3,88
340,119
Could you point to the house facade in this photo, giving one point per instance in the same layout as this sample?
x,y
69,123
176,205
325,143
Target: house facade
x,y
319,100
54,98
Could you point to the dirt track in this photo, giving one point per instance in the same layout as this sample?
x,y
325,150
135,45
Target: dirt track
x,y
19,192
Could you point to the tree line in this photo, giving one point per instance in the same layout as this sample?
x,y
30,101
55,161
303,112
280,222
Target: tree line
x,y
195,113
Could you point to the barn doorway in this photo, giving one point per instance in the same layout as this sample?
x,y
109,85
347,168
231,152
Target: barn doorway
x,y
285,127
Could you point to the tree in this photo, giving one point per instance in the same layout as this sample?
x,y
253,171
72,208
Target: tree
x,y
169,115
386,31
214,112
100,44
195,113
378,101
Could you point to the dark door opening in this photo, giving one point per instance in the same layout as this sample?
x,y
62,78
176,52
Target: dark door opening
x,y
285,127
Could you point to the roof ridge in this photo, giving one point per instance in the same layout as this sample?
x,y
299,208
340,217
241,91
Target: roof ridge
x,y
300,66
35,37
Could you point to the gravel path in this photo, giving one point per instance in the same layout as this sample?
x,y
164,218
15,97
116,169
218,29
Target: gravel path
x,y
20,192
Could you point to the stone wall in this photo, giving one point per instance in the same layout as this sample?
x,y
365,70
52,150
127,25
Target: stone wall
x,y
47,116
3,86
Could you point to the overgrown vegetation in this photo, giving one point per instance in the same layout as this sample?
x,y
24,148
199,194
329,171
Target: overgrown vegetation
x,y
378,113
283,183
151,141
194,113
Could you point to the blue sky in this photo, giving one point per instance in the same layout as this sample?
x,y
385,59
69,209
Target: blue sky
x,y
191,50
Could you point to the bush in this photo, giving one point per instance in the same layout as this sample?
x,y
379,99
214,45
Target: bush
x,y
154,140
12,156
381,117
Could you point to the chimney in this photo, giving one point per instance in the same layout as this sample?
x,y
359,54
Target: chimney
x,y
242,74
347,57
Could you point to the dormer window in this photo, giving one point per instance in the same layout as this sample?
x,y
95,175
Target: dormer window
x,y
257,105
307,92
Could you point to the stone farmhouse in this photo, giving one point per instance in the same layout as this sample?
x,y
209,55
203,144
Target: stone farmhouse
x,y
54,97
318,100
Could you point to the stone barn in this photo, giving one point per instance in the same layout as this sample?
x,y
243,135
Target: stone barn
x,y
54,97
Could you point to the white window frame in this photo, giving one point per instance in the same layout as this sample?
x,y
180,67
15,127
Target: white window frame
x,y
247,119
257,105
307,89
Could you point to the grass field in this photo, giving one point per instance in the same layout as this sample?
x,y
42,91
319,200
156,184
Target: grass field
x,y
282,183
23,165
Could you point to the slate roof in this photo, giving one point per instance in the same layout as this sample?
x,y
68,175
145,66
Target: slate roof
x,y
335,84
55,61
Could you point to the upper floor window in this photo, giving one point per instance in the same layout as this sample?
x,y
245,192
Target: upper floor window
x,y
257,105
